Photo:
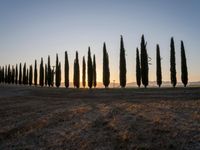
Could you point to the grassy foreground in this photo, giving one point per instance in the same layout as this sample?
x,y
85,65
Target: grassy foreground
x,y
50,118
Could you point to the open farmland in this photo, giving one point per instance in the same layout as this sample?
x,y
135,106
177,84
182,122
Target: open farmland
x,y
52,118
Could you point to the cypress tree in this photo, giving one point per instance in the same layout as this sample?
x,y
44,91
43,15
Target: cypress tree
x,y
144,63
66,70
84,72
122,64
16,74
94,72
6,74
35,73
89,69
30,75
106,70
13,75
184,71
57,72
52,77
20,73
76,72
0,74
27,77
173,63
74,79
3,75
9,74
158,66
41,73
24,74
46,75
138,69
49,72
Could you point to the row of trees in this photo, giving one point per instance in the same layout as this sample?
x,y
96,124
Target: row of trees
x,y
46,72
142,65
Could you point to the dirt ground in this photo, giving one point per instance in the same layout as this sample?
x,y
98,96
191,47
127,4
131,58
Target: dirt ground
x,y
51,118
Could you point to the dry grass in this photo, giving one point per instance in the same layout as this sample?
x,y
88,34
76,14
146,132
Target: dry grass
x,y
43,118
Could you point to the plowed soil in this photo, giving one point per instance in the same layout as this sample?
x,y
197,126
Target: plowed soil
x,y
52,118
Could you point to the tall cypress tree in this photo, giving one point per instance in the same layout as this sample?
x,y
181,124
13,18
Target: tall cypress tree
x,y
59,66
46,75
31,75
24,74
27,76
122,64
2,74
13,75
16,74
35,73
49,72
74,79
158,66
9,74
144,63
94,72
66,70
173,63
138,69
6,74
83,72
106,70
184,71
89,69
41,73
52,77
76,72
1,71
57,72
1,78
20,73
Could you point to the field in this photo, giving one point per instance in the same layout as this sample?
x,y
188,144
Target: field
x,y
51,118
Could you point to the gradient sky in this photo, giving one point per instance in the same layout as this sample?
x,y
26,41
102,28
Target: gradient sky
x,y
31,29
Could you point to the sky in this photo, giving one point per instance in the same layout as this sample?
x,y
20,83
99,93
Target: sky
x,y
31,29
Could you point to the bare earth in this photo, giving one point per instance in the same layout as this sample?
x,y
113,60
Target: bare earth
x,y
51,118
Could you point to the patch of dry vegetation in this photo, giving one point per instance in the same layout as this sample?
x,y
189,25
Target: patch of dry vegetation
x,y
46,118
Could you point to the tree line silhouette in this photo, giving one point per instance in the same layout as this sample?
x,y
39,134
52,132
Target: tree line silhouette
x,y
11,75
